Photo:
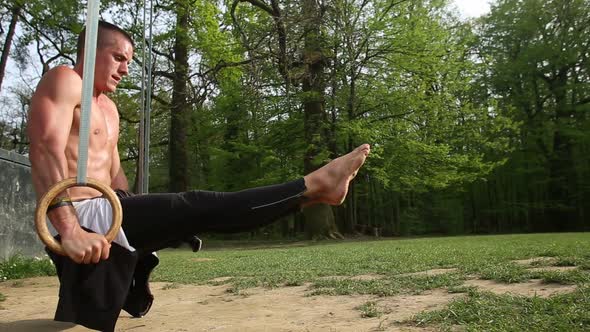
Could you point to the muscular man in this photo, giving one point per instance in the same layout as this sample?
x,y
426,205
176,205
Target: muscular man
x,y
150,222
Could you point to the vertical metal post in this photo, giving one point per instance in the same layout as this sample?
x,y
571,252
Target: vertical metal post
x,y
146,98
148,104
87,87
141,157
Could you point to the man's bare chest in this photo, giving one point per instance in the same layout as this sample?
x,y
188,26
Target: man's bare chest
x,y
101,130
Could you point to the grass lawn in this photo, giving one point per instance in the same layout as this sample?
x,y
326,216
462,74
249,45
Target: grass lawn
x,y
389,267
323,265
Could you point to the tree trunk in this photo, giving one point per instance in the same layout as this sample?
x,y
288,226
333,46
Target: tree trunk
x,y
178,149
562,180
8,42
319,219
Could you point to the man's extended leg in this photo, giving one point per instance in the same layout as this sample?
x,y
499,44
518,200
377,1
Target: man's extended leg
x,y
153,221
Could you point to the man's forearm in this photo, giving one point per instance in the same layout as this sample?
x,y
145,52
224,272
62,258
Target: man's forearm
x,y
49,168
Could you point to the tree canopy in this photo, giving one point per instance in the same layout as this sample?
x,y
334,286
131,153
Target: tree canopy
x,y
476,125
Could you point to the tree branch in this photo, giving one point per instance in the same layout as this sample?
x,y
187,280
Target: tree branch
x,y
163,74
393,116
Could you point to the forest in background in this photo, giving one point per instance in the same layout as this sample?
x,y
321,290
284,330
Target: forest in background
x,y
477,126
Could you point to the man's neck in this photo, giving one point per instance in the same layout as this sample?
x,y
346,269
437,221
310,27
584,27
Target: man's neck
x,y
78,68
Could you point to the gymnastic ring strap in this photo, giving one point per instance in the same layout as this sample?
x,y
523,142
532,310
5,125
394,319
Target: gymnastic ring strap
x,y
41,212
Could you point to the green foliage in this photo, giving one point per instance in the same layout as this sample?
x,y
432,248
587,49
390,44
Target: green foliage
x,y
18,267
476,127
533,62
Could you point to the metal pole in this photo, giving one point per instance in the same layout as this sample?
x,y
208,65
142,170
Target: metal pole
x,y
141,157
148,105
87,87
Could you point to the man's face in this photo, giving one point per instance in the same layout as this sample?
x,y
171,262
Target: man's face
x,y
112,61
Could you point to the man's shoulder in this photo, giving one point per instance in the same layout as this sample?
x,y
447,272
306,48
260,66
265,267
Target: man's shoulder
x,y
61,73
60,81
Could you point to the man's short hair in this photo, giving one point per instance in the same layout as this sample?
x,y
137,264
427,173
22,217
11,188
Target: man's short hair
x,y
102,38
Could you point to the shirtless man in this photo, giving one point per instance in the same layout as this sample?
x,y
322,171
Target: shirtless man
x,y
94,296
53,126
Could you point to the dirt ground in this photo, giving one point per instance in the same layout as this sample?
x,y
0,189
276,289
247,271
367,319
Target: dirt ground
x,y
30,304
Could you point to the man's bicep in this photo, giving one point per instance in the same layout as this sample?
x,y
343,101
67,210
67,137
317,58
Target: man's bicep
x,y
49,122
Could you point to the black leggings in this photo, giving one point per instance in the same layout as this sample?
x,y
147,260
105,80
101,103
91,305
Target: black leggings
x,y
155,221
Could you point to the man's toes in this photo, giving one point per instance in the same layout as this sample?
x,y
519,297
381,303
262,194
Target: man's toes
x,y
361,147
365,148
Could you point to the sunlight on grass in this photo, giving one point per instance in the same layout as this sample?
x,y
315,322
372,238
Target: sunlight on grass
x,y
401,267
488,257
405,267
482,311
507,273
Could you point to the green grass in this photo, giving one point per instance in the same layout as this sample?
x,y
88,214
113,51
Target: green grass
x,y
18,267
370,309
488,257
482,311
507,273
389,286
329,268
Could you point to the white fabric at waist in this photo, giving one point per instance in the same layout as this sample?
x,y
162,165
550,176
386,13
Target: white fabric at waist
x,y
96,214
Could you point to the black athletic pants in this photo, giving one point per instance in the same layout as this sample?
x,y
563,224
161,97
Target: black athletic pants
x,y
155,221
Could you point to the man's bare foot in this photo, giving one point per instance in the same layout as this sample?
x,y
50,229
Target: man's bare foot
x,y
329,184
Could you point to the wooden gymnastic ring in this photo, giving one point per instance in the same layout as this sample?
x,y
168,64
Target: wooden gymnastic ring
x,y
41,212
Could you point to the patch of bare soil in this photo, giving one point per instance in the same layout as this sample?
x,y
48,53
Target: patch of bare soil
x,y
433,272
530,288
546,261
30,305
361,277
221,280
552,268
536,260
403,307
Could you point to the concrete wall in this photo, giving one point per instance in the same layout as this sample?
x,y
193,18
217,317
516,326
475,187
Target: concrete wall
x,y
17,207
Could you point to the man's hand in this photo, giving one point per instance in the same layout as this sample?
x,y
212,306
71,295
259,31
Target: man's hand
x,y
84,247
